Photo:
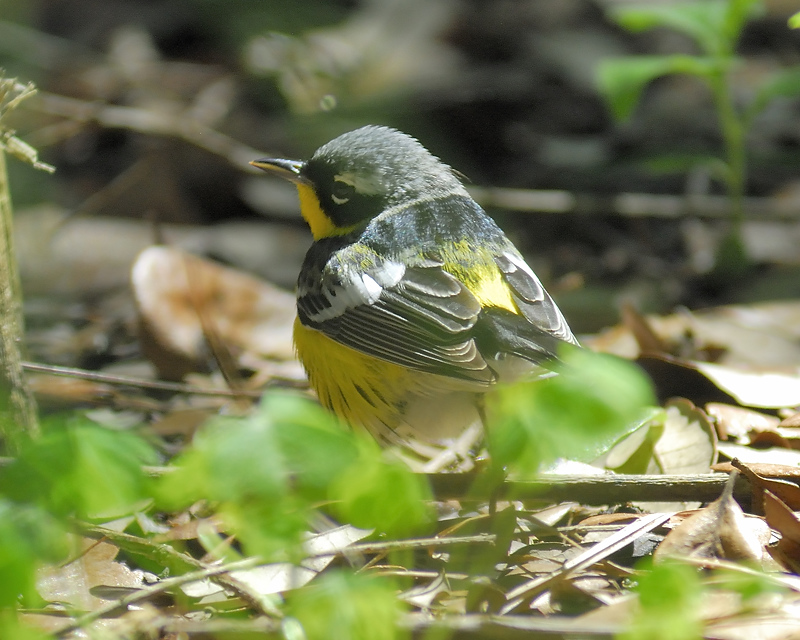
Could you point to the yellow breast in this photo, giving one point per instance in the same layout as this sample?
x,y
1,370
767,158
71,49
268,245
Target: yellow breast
x,y
356,387
388,400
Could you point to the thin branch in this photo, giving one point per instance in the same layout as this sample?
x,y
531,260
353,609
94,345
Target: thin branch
x,y
148,592
180,124
129,381
165,123
417,543
613,543
597,490
631,205
18,416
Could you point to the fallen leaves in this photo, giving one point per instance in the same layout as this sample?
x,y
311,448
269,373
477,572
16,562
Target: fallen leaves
x,y
569,567
191,309
719,530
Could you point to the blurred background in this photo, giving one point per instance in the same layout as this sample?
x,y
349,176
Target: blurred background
x,y
151,110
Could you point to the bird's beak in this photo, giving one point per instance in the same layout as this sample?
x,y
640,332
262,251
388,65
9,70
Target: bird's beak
x,y
286,169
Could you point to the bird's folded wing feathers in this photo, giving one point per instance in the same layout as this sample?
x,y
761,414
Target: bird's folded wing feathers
x,y
415,316
424,318
530,296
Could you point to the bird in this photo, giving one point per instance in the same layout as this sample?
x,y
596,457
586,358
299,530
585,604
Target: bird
x,y
412,303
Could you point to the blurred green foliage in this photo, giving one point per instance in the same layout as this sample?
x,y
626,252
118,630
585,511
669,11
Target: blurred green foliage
x,y
715,26
10,627
578,414
348,607
669,597
28,536
267,472
79,469
74,469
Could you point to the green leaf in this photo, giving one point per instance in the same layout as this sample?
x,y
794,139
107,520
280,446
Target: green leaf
x,y
794,21
238,463
28,537
622,80
271,529
230,459
668,597
782,84
268,470
79,468
346,606
317,448
737,15
703,21
11,627
749,583
577,415
378,494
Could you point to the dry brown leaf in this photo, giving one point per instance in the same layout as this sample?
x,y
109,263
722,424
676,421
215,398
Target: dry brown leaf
x,y
766,470
773,455
183,298
791,421
720,530
424,595
182,422
737,423
637,324
755,335
322,549
72,582
688,444
673,377
57,392
608,518
781,518
765,389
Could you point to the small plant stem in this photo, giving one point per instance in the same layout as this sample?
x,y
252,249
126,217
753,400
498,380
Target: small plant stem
x,y
18,417
733,134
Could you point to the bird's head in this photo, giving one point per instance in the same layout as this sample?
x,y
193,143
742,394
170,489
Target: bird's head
x,y
362,173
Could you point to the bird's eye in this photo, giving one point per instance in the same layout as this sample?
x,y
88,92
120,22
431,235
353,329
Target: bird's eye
x,y
342,192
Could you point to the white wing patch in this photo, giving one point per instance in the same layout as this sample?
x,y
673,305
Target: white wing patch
x,y
357,290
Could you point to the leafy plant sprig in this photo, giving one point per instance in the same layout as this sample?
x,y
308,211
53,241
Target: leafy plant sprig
x,y
715,26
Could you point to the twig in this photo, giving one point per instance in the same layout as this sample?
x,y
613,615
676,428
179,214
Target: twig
x,y
164,123
148,592
417,543
633,205
598,490
136,382
182,126
603,549
508,627
179,562
17,404
217,627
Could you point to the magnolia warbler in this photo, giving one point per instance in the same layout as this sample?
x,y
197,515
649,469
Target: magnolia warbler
x,y
411,302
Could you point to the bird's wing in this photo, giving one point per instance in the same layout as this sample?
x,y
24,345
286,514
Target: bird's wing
x,y
533,301
417,316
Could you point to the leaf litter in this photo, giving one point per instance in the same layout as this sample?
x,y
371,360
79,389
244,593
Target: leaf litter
x,y
570,568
